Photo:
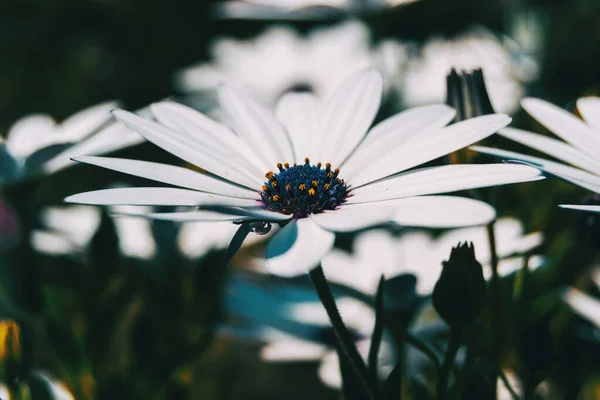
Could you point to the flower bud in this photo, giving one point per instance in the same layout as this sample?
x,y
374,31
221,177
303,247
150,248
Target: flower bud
x,y
459,295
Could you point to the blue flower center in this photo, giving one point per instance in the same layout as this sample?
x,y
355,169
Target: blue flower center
x,y
300,190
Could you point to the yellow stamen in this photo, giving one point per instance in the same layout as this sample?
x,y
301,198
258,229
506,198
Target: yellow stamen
x,y
312,191
302,186
315,183
327,186
276,198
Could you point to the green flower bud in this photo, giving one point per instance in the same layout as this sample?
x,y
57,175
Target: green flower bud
x,y
459,295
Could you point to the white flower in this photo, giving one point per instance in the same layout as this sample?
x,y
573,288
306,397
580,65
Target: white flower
x,y
377,253
505,74
300,9
583,304
312,200
580,147
37,144
69,230
358,317
281,60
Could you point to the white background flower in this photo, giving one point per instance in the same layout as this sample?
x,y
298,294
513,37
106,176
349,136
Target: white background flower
x,y
358,317
505,75
377,252
580,147
90,131
281,59
331,131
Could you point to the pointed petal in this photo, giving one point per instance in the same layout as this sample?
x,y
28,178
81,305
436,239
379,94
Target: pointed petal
x,y
146,196
445,179
591,209
442,212
297,248
181,146
571,174
85,122
348,114
298,113
563,124
394,132
553,147
213,216
172,175
431,145
257,125
208,133
589,108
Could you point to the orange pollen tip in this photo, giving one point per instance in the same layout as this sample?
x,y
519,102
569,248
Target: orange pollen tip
x,y
337,171
306,161
274,184
286,165
279,165
312,191
319,165
302,186
327,186
264,188
315,183
269,175
275,198
288,187
330,175
328,166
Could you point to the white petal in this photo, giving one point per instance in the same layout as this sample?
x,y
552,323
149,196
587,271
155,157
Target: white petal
x,y
352,217
394,132
257,125
147,196
571,174
212,216
4,392
30,134
589,108
553,147
442,212
431,145
195,239
297,248
58,390
592,209
348,114
184,148
583,304
298,113
291,350
172,175
449,178
135,234
115,137
208,133
86,121
564,124
76,223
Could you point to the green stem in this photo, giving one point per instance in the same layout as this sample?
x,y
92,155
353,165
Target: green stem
x,y
444,371
346,343
496,309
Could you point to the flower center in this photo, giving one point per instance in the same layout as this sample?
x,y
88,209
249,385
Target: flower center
x,y
303,189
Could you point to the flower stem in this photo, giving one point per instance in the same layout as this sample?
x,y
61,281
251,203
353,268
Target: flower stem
x,y
346,343
496,310
444,371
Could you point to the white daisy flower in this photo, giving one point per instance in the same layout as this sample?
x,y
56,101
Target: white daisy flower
x,y
281,60
300,9
583,304
70,229
37,144
579,147
421,254
425,76
312,199
358,317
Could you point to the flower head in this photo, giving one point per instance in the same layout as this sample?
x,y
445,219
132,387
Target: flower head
x,y
370,190
580,144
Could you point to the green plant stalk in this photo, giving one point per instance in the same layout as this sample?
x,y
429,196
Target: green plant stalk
x,y
495,301
347,346
444,371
